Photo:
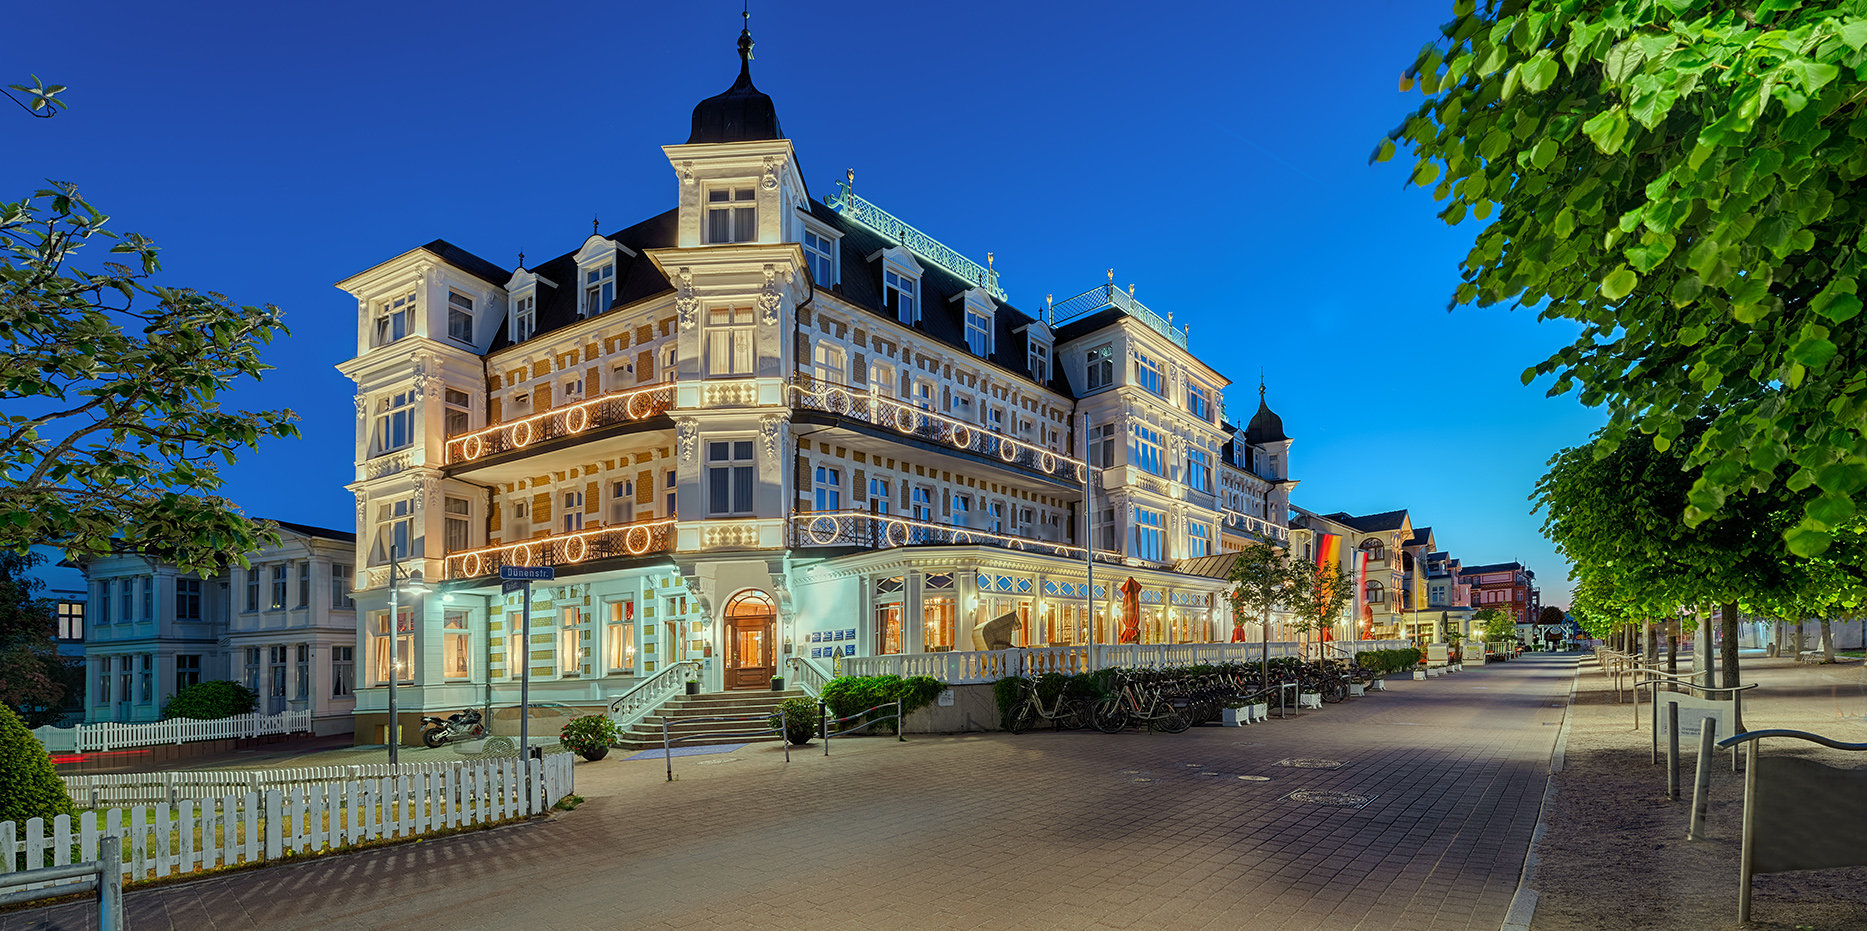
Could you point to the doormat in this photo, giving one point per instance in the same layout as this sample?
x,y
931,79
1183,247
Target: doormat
x,y
657,754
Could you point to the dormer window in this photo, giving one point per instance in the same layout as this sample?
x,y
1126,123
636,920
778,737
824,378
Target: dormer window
x,y
978,333
1040,363
731,215
898,296
820,255
394,319
599,289
459,317
524,318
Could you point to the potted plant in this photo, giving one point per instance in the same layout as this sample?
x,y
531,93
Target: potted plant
x,y
799,717
693,682
777,683
589,737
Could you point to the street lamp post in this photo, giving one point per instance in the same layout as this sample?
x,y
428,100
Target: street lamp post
x,y
415,587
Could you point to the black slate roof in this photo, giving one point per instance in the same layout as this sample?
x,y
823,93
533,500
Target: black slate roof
x,y
1493,567
347,536
1370,523
1420,536
637,278
469,263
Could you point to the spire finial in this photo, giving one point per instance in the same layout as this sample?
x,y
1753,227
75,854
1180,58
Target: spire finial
x,y
1260,385
745,40
521,258
593,224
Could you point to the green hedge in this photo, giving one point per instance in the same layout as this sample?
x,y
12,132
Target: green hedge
x,y
1388,662
211,701
847,695
31,787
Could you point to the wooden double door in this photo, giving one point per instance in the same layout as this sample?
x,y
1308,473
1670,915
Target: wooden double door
x,y
751,641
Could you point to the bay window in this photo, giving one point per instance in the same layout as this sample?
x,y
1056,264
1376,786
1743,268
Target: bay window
x,y
379,647
395,421
1148,527
1144,450
394,320
729,341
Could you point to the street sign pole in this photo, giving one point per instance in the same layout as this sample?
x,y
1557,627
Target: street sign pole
x,y
522,577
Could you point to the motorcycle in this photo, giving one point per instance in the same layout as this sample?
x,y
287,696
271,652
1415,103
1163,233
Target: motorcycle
x,y
463,725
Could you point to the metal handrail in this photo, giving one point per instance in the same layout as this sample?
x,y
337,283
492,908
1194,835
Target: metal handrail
x,y
1829,742
824,723
810,677
667,742
524,431
633,539
103,876
1106,295
907,419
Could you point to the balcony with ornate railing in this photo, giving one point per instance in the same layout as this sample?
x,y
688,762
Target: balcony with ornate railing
x,y
570,420
880,531
561,550
910,421
1095,299
1241,523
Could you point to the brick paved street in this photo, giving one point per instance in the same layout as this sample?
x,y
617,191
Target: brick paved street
x,y
1071,831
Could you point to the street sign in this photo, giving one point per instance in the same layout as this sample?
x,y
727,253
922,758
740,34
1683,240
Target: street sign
x,y
512,585
528,573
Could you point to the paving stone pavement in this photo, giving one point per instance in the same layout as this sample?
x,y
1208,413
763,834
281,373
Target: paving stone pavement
x,y
1075,830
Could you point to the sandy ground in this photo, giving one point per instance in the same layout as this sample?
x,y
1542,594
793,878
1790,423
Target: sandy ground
x,y
1615,854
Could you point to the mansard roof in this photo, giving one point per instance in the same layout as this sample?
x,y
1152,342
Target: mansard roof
x,y
637,278
346,536
1371,523
943,318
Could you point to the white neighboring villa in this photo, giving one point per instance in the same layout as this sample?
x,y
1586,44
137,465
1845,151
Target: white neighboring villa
x,y
286,627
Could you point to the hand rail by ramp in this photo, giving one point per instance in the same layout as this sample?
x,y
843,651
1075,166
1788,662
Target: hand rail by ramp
x,y
1798,814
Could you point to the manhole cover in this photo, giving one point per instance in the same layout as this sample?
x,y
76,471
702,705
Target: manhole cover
x,y
1130,772
1310,764
1192,765
1256,778
1330,799
1141,779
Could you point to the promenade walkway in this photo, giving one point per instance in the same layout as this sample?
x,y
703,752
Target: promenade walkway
x,y
1079,831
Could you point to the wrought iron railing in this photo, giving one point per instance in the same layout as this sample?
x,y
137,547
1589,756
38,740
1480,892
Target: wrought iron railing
x,y
568,420
846,202
637,539
908,420
1240,522
861,528
1108,295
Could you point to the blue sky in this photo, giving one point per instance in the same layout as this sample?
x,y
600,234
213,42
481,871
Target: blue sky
x,y
1214,154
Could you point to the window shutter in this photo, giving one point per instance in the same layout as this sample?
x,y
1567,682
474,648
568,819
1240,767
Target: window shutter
x,y
644,487
644,367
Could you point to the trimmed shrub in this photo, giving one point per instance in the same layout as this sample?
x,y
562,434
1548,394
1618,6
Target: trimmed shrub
x,y
32,786
589,736
800,720
211,701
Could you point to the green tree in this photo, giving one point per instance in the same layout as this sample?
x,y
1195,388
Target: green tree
x,y
1497,625
34,679
1317,596
112,435
1682,179
1259,576
33,789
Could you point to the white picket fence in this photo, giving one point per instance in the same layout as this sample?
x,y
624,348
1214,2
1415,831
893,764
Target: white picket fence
x,y
253,827
110,735
172,787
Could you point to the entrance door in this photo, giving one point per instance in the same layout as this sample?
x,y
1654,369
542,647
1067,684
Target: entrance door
x,y
751,647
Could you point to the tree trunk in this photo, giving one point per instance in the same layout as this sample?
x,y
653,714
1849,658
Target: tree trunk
x,y
1702,659
1729,652
1828,641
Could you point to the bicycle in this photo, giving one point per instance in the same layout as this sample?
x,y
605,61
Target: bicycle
x,y
1114,713
1065,713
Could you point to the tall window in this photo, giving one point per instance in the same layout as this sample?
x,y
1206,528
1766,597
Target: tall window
x,y
252,668
71,620
187,671
573,511
878,496
1101,362
458,407
459,524
1144,450
252,590
621,640
524,318
394,319
923,503
146,684
1375,549
1148,374
1199,469
340,589
898,296
395,531
103,682
456,646
1375,593
978,333
830,365
818,254
129,600
995,516
404,646
621,502
829,489
187,599
1148,526
962,511
459,317
103,602
668,490
304,583
731,215
1199,400
888,627
569,649
395,421
599,289
149,598
343,671
729,478
729,341
1105,522
1198,539
275,673
278,587
937,614
882,379
301,658
1102,445
1040,363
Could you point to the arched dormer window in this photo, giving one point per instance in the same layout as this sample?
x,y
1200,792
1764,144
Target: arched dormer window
x,y
1375,549
1375,593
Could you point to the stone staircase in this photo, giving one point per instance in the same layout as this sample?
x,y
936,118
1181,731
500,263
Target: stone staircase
x,y
681,708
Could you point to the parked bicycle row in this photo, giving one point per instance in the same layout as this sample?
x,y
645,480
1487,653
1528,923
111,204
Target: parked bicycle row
x,y
1177,698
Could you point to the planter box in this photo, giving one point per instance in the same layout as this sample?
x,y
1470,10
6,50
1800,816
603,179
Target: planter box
x,y
1356,690
1378,685
1309,700
1235,717
1419,673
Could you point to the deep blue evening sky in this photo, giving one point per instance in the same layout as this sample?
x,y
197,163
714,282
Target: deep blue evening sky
x,y
1214,154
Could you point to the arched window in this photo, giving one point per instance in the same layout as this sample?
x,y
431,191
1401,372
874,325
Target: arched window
x,y
1375,550
751,603
1375,593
